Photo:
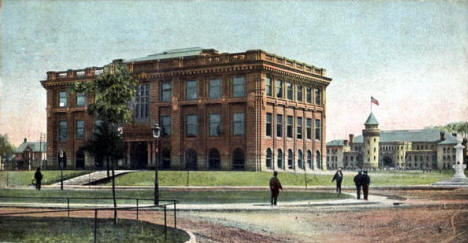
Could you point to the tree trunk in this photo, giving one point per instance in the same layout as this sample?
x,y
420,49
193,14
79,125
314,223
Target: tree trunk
x,y
113,193
107,165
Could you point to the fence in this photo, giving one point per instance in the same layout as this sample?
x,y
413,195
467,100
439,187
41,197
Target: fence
x,y
162,206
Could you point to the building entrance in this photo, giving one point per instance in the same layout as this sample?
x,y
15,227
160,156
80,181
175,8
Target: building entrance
x,y
138,155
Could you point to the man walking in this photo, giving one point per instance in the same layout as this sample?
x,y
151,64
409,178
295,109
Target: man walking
x,y
38,177
365,182
339,178
275,186
357,182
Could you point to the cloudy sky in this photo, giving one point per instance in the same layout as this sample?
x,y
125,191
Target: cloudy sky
x,y
410,55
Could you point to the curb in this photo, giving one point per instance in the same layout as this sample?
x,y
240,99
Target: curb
x,y
192,239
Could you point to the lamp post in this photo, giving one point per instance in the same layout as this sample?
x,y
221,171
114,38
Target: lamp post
x,y
61,169
156,133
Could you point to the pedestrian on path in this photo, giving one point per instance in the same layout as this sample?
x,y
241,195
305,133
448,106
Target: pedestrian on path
x,y
365,182
275,186
339,179
38,177
357,182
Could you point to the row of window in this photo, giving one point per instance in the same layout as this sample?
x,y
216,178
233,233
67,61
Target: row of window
x,y
214,89
290,158
447,150
278,86
63,99
63,130
289,126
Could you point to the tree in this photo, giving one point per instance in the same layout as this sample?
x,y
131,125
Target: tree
x,y
6,149
113,91
455,127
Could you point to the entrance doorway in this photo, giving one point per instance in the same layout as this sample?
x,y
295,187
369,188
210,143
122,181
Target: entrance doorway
x,y
138,155
191,159
80,159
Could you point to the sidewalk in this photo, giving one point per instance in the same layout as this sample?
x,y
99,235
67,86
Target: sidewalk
x,y
90,178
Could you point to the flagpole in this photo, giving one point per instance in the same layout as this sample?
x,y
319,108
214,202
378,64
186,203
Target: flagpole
x,y
371,105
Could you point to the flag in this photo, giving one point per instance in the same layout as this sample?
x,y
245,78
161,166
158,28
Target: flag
x,y
373,100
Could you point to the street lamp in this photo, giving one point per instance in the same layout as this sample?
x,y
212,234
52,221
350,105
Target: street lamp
x,y
61,169
156,133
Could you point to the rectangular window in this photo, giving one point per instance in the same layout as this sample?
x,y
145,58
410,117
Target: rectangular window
x,y
191,90
279,89
299,92
309,128
141,109
191,125
268,88
318,129
214,89
166,91
239,126
268,124
80,99
62,131
299,128
318,97
279,125
289,128
63,97
289,91
166,125
238,87
214,125
80,129
309,94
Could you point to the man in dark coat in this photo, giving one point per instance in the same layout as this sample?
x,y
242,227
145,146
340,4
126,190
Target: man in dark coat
x,y
365,182
339,178
275,186
38,177
357,182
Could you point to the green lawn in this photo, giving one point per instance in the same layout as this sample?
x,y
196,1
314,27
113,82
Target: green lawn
x,y
231,178
35,229
186,197
24,178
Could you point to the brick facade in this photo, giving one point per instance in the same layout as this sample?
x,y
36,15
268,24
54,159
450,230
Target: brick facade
x,y
179,151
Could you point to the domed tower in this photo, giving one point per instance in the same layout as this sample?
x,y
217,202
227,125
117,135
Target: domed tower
x,y
371,135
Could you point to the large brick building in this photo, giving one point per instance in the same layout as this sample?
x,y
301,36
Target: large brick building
x,y
244,111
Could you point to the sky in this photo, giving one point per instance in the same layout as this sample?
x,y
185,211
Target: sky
x,y
410,55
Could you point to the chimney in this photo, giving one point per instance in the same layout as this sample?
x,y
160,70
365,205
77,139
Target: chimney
x,y
25,140
442,136
351,137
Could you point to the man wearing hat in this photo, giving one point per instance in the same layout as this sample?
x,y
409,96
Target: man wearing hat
x,y
275,186
365,182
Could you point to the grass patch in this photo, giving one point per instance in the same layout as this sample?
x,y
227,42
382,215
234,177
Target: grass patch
x,y
233,178
186,197
44,229
24,178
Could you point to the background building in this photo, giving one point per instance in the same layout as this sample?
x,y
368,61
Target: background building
x,y
242,111
29,156
410,149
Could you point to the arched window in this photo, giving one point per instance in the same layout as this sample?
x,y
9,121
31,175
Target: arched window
x,y
318,160
300,159
309,160
166,159
280,159
214,159
238,161
290,159
269,158
191,159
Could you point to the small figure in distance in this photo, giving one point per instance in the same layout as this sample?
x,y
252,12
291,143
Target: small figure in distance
x,y
365,182
38,177
339,179
357,182
275,186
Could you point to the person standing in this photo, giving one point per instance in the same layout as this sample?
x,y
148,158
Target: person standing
x,y
339,179
275,187
365,182
38,177
357,182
